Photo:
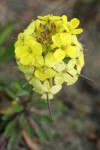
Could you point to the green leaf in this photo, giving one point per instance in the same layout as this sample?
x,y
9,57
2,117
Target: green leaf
x,y
6,117
18,108
8,53
43,118
42,134
22,121
29,131
17,85
47,119
7,31
42,104
10,93
13,141
2,51
10,128
22,93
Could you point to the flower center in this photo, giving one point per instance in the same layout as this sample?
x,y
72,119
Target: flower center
x,y
29,50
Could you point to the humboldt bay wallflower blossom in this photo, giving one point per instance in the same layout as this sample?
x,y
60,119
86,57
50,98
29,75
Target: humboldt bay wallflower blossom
x,y
49,54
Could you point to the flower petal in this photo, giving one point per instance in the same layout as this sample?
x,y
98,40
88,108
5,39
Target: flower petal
x,y
76,31
64,19
21,51
73,80
65,38
38,61
76,42
55,89
50,73
74,23
41,75
57,40
59,67
71,64
59,55
80,62
73,72
59,79
44,96
72,51
26,60
50,60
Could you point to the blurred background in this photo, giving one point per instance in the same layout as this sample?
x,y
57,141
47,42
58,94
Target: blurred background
x,y
26,125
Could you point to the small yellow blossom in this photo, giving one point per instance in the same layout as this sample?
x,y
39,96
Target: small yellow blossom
x,y
44,73
70,26
62,39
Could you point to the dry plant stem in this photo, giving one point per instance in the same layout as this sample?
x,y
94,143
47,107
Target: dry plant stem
x,y
84,77
87,78
31,121
49,107
24,85
32,144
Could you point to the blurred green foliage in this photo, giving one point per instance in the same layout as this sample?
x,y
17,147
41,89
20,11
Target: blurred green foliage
x,y
6,48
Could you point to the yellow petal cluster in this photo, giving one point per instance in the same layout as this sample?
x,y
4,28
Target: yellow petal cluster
x,y
49,54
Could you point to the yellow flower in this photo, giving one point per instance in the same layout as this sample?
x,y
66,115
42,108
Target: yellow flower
x,y
70,26
73,24
28,51
49,18
51,90
62,39
44,73
49,54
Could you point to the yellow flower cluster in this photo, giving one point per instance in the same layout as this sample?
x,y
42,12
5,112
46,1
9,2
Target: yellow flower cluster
x,y
49,53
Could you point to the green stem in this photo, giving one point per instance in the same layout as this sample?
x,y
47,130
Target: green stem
x,y
49,107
